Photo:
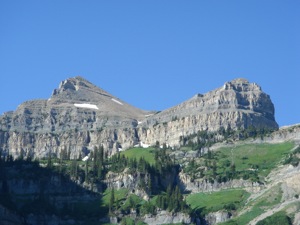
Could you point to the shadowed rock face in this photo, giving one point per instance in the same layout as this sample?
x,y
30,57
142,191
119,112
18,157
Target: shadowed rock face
x,y
79,116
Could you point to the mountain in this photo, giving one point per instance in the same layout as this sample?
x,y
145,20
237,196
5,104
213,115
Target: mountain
x,y
225,106
76,104
222,160
237,105
79,116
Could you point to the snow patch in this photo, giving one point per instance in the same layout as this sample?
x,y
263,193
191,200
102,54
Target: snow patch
x,y
162,146
85,158
139,122
116,101
86,105
143,145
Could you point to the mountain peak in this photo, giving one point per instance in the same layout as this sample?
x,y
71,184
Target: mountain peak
x,y
79,105
78,89
74,84
240,80
241,84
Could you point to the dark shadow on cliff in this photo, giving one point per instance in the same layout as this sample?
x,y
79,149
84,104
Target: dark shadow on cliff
x,y
37,195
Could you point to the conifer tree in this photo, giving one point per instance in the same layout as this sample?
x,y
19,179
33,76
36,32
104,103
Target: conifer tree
x,y
87,170
112,199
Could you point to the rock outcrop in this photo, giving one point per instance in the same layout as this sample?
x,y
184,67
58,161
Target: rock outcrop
x,y
79,116
217,217
203,185
164,217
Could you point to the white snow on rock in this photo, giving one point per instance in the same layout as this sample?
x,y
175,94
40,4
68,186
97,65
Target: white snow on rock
x,y
86,105
117,101
143,145
85,158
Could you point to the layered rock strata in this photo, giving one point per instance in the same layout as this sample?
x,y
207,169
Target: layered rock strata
x,y
79,116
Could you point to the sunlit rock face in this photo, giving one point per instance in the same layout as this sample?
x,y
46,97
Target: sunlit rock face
x,y
79,116
237,105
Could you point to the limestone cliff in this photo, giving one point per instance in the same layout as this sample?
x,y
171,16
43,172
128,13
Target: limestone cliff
x,y
238,104
79,116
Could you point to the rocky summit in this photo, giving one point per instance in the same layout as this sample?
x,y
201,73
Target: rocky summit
x,y
79,116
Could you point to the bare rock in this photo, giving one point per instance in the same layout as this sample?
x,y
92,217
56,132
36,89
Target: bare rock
x,y
164,217
217,217
238,104
79,116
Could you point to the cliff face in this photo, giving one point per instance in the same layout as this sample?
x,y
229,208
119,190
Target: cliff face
x,y
238,104
79,116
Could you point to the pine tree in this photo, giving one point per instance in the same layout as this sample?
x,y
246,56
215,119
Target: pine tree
x,y
94,158
157,144
74,168
111,200
149,183
87,170
101,154
214,168
49,161
100,171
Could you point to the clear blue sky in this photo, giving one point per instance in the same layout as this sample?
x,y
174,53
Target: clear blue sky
x,y
151,54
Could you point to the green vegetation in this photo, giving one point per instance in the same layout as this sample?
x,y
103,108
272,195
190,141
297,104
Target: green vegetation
x,y
245,218
260,157
256,207
49,185
172,200
205,139
151,168
269,199
127,221
293,157
249,161
212,202
279,218
138,153
119,195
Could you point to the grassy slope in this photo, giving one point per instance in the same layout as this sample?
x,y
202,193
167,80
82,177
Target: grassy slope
x,y
217,200
120,195
256,207
137,153
265,157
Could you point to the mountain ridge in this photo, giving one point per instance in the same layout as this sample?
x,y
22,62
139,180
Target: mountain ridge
x,y
92,116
